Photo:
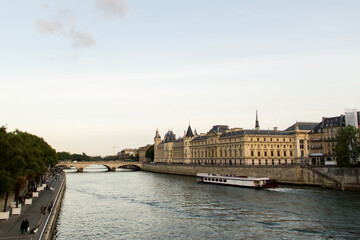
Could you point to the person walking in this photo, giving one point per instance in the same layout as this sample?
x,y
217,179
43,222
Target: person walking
x,y
22,227
43,208
49,208
27,226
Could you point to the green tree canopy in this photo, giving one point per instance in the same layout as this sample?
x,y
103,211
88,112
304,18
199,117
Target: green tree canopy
x,y
23,157
150,152
348,145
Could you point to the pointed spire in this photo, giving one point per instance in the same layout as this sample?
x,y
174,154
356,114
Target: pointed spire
x,y
157,135
189,132
257,126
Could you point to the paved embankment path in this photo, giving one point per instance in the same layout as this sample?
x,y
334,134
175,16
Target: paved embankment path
x,y
10,229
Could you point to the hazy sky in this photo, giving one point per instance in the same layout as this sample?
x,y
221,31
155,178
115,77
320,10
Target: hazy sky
x,y
88,75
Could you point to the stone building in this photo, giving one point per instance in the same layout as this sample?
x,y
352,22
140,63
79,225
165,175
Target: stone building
x,y
172,150
126,153
142,153
236,146
323,137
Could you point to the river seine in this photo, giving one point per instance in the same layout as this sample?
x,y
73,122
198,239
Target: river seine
x,y
143,205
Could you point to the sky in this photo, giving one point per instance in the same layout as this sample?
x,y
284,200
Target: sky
x,y
98,76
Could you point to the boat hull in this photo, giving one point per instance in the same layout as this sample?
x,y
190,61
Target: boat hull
x,y
237,181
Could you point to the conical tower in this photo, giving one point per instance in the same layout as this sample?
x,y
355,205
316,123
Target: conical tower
x,y
187,142
157,141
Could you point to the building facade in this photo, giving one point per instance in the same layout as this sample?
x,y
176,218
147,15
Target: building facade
x,y
323,137
236,146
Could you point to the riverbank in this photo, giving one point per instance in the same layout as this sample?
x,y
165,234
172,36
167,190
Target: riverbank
x,y
51,221
322,176
41,223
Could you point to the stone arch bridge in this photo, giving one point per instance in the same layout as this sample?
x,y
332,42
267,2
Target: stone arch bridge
x,y
110,165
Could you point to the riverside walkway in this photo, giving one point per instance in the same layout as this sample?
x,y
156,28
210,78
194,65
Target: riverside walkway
x,y
10,229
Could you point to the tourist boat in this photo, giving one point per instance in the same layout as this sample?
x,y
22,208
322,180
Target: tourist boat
x,y
242,181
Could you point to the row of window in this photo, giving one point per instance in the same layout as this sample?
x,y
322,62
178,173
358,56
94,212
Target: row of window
x,y
273,162
272,153
243,162
215,179
228,140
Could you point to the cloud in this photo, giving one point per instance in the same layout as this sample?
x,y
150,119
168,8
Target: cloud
x,y
67,16
49,27
113,7
82,39
66,27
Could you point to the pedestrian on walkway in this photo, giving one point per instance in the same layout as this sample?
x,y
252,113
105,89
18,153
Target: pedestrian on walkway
x,y
49,208
43,208
23,227
27,226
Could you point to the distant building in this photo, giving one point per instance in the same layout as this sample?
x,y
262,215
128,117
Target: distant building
x,y
221,145
126,153
323,137
142,153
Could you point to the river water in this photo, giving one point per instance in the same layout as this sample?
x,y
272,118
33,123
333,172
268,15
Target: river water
x,y
143,205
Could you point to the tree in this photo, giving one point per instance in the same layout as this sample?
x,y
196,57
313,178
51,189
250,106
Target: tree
x,y
348,146
23,158
150,153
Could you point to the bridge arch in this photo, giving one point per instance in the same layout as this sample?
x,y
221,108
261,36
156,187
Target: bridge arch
x,y
109,165
130,166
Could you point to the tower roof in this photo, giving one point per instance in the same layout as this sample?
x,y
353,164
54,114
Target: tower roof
x,y
189,132
257,126
169,137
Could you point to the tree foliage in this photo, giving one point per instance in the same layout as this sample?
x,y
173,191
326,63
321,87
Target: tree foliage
x,y
66,156
348,146
23,157
150,152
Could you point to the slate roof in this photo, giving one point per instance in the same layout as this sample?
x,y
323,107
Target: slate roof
x,y
189,132
219,128
334,122
169,137
317,128
303,126
199,138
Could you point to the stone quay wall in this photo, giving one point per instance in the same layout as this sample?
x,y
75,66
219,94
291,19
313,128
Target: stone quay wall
x,y
286,174
54,214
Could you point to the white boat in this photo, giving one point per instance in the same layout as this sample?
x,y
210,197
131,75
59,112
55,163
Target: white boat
x,y
242,181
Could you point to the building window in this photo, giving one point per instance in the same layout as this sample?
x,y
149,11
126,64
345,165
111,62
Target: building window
x,y
272,153
253,162
252,153
266,162
278,153
284,153
259,162
265,154
273,162
301,144
290,153
258,154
